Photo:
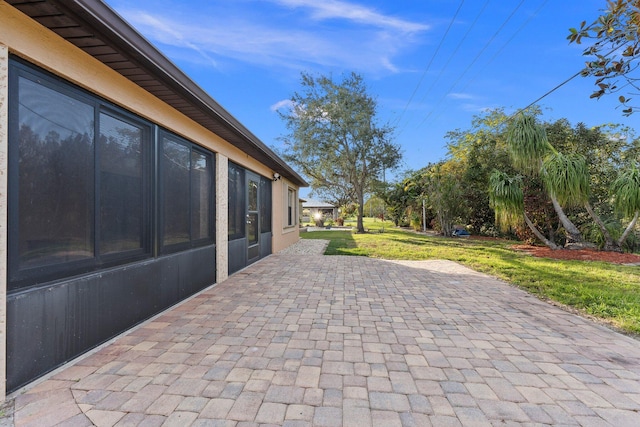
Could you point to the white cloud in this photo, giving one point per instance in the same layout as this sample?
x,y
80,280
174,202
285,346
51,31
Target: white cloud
x,y
285,103
461,96
177,37
328,9
476,108
266,37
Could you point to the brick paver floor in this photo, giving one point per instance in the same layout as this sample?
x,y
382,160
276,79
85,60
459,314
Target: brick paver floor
x,y
350,341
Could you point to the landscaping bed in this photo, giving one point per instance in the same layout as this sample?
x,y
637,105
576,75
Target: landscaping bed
x,y
579,254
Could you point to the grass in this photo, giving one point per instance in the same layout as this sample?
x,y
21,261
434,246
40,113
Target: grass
x,y
607,291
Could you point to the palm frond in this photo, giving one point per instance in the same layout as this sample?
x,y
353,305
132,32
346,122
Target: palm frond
x,y
566,176
626,191
528,143
506,199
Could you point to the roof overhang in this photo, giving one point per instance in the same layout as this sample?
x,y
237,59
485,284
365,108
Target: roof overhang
x,y
98,30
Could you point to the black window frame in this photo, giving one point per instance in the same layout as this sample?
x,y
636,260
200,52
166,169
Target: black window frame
x,y
266,205
241,202
191,243
20,277
146,222
151,221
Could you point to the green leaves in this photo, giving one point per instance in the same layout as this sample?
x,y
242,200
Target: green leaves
x,y
616,48
334,138
626,191
507,199
566,176
528,143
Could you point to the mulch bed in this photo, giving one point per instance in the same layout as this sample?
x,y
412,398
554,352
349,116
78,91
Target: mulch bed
x,y
579,254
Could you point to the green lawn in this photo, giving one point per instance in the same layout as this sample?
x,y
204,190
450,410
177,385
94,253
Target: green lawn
x,y
606,291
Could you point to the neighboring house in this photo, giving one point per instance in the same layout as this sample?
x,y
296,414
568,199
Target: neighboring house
x,y
312,207
124,187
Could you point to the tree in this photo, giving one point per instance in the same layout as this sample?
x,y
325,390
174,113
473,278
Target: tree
x,y
626,191
507,200
335,139
616,50
474,153
564,176
445,197
395,200
566,179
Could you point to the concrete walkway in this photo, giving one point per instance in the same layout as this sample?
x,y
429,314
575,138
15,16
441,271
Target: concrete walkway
x,y
299,340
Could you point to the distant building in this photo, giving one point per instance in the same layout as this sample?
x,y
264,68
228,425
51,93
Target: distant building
x,y
312,207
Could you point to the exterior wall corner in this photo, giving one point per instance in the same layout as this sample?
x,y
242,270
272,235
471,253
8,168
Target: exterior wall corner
x,y
222,217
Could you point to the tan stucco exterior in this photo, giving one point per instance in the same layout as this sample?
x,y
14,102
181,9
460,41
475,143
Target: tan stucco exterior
x,y
25,38
283,234
222,219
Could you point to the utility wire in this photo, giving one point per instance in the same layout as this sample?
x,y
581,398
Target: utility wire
x,y
542,5
558,86
444,67
549,92
474,60
435,53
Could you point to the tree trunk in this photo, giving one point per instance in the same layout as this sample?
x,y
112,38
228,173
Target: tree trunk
x,y
574,237
538,234
609,243
628,229
360,224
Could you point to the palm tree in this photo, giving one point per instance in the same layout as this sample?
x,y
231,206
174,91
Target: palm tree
x,y
507,200
528,148
566,177
626,191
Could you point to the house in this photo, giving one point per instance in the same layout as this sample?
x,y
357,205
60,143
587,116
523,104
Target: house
x,y
124,187
311,208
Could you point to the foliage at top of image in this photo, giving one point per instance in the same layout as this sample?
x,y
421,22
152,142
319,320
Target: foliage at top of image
x,y
615,53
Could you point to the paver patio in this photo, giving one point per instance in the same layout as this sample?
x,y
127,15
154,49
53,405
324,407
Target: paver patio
x,y
350,341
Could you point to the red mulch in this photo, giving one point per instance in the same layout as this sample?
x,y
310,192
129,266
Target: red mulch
x,y
579,254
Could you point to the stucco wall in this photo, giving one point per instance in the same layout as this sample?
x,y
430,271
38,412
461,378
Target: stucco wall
x,y
222,217
284,235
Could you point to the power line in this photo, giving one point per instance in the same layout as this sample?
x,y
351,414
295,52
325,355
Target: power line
x,y
499,51
504,23
435,53
455,50
549,92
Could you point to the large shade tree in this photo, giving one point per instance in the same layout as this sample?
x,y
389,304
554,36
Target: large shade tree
x,y
476,152
334,137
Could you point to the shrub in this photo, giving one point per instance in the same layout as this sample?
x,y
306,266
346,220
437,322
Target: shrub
x,y
593,233
416,222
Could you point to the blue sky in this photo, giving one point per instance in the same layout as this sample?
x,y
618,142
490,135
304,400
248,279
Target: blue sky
x,y
431,73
